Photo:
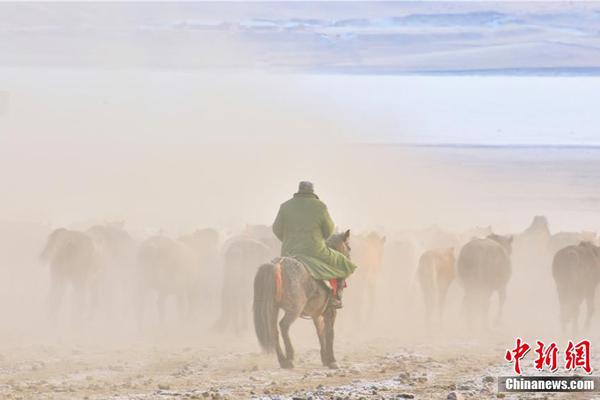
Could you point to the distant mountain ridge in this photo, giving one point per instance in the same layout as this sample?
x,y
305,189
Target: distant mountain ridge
x,y
398,37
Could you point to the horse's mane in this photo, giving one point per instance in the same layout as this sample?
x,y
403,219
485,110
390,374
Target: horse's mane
x,y
334,239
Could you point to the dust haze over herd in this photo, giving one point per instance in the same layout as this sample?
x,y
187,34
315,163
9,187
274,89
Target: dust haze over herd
x,y
159,165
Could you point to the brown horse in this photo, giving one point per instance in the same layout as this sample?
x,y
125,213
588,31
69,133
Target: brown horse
x,y
484,267
436,272
576,272
288,285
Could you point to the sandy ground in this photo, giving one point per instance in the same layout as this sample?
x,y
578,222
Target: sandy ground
x,y
377,369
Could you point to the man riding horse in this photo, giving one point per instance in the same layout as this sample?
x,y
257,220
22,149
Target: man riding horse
x,y
303,225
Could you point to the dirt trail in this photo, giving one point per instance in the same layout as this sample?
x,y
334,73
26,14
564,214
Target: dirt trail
x,y
375,370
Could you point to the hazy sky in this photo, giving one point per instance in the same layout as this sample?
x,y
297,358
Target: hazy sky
x,y
179,150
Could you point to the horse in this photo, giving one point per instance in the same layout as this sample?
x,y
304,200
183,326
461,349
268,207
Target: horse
x,y
576,272
560,240
529,248
115,250
288,285
240,262
436,272
72,259
169,267
368,252
205,245
484,267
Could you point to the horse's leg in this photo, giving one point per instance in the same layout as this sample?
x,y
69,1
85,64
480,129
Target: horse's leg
x,y
484,310
281,357
192,302
94,300
575,318
371,293
428,300
245,315
181,306
320,326
78,302
563,310
160,305
285,323
55,296
441,300
221,323
230,304
329,320
501,301
237,314
140,297
468,307
242,322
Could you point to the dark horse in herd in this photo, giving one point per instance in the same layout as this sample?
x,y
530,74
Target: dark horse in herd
x,y
286,284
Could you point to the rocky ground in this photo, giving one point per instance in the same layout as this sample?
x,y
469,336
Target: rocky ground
x,y
373,370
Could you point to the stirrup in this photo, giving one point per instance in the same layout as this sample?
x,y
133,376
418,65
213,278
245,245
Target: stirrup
x,y
335,302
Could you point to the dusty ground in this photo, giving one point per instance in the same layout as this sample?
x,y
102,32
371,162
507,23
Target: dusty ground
x,y
370,370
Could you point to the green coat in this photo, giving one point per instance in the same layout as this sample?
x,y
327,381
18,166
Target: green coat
x,y
303,224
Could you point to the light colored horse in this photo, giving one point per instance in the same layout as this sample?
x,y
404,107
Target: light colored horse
x,y
368,253
436,272
115,255
167,268
205,245
71,256
398,272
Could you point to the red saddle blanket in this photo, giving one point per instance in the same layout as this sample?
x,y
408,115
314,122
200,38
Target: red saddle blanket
x,y
334,286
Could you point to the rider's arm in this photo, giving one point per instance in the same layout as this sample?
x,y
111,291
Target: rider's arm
x,y
278,225
327,225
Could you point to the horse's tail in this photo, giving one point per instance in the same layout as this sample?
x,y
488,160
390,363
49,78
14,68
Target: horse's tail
x,y
266,291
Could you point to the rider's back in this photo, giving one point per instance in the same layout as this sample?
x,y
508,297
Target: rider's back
x,y
303,224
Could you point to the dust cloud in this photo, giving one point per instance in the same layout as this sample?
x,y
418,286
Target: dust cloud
x,y
164,154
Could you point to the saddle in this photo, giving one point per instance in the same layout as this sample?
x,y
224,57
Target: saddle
x,y
331,284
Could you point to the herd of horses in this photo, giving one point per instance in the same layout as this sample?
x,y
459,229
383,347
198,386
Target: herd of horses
x,y
484,266
105,265
106,262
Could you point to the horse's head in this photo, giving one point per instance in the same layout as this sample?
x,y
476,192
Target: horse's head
x,y
375,245
339,242
539,225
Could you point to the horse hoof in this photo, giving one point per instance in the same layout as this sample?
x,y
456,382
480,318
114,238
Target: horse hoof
x,y
333,365
287,364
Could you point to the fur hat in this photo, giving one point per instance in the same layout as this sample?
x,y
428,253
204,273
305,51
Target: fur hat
x,y
306,187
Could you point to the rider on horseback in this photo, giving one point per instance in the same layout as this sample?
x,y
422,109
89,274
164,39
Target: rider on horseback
x,y
303,224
